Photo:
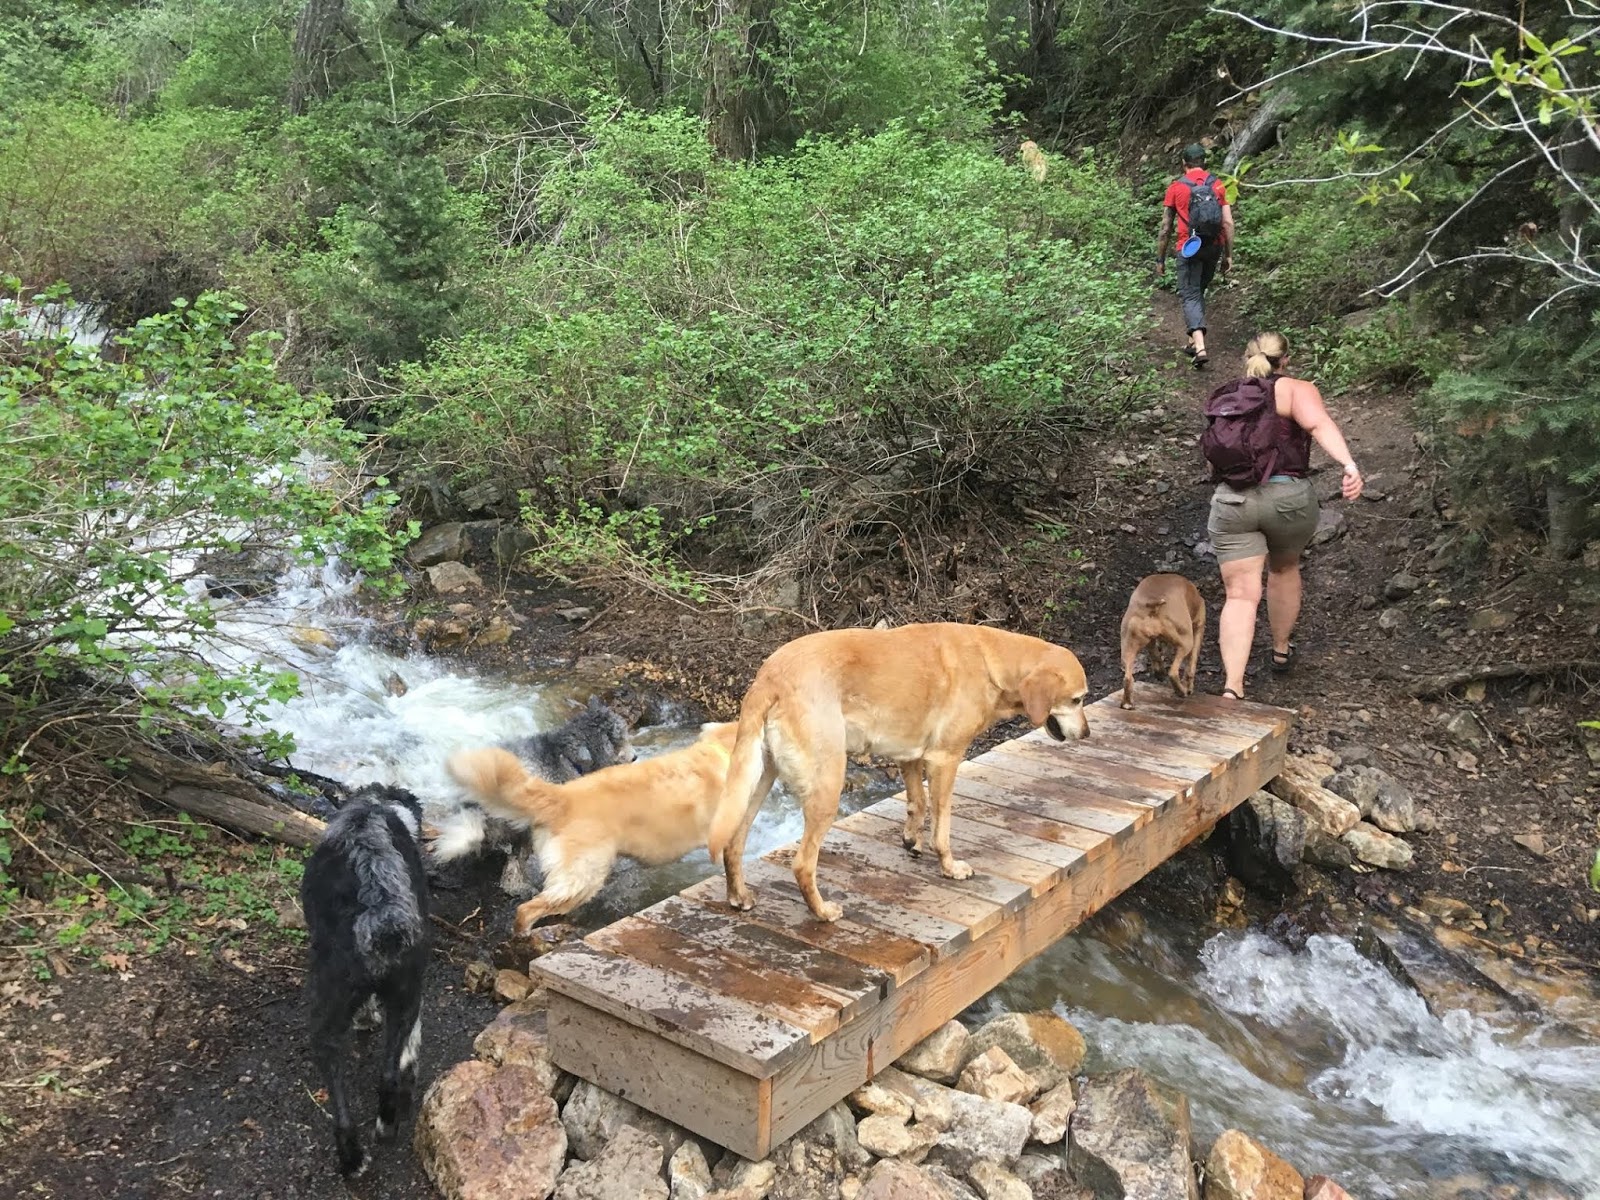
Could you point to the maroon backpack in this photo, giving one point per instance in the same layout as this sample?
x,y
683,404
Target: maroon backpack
x,y
1243,431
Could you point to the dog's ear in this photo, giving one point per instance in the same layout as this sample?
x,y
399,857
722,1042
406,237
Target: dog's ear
x,y
1039,690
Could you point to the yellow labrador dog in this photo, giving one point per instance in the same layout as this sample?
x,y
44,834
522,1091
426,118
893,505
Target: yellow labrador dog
x,y
918,694
654,809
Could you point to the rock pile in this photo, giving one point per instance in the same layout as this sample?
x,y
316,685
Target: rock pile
x,y
999,1113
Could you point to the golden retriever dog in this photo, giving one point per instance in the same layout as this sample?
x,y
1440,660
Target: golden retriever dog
x,y
918,694
653,810
1163,608
1033,159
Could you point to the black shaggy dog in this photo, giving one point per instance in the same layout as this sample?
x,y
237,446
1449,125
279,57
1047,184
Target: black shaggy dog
x,y
593,738
365,897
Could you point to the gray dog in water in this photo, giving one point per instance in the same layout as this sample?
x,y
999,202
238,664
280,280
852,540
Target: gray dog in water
x,y
596,737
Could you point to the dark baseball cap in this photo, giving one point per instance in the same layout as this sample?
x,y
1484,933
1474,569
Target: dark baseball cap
x,y
1194,152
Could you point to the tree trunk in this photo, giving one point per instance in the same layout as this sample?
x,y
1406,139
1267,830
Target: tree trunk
x,y
1260,129
313,47
728,85
1043,18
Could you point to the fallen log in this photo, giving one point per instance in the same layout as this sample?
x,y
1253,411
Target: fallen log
x,y
1428,686
277,821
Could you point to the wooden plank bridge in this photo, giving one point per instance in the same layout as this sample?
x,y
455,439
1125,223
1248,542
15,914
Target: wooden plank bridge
x,y
744,1027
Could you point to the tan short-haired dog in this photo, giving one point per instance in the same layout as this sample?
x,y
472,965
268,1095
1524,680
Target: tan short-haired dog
x,y
918,694
1165,608
1033,159
654,810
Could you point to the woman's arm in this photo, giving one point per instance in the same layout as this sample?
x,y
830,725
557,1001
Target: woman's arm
x,y
1307,411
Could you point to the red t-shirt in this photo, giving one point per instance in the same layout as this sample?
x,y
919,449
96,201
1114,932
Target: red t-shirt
x,y
1177,198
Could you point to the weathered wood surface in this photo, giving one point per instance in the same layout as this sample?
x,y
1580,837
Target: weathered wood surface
x,y
745,1026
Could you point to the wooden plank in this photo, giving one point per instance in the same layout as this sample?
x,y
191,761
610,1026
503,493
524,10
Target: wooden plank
x,y
1038,796
1158,750
1086,776
1160,699
1162,782
727,1030
816,1009
856,985
984,854
850,866
1005,894
974,799
996,833
658,1074
939,934
1218,733
898,957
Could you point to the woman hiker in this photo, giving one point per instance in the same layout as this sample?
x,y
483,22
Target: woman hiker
x,y
1268,523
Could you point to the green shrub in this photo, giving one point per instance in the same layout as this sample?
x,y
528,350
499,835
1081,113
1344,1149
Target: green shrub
x,y
119,476
821,341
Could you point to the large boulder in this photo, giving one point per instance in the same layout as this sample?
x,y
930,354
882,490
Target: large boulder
x,y
939,1056
1300,783
490,1133
629,1168
452,576
593,1115
1131,1139
441,543
1382,798
517,1037
1239,1168
1044,1045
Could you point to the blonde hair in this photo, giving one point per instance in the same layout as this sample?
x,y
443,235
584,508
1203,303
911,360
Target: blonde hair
x,y
1264,354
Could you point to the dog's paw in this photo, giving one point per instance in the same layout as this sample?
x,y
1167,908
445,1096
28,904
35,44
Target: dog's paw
x,y
956,869
912,844
742,901
829,911
1127,704
383,1129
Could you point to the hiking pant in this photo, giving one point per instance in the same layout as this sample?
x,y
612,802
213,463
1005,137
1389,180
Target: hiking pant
x,y
1194,276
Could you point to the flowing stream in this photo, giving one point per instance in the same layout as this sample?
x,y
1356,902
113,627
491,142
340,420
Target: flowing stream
x,y
1317,1053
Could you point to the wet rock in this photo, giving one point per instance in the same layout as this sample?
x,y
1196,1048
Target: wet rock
x,y
1376,848
517,952
395,684
511,986
593,1115
629,1168
1131,1137
896,1180
453,576
1041,1043
517,1037
806,1171
1400,586
1052,1113
309,637
1300,783
836,1129
241,574
496,633
1382,798
490,1133
441,634
441,543
1268,837
688,1175
1331,523
1239,1168
994,1182
875,1098
994,1076
940,1055
1320,1187
892,1137
1326,852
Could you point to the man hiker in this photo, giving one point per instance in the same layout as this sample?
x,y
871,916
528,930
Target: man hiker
x,y
1199,203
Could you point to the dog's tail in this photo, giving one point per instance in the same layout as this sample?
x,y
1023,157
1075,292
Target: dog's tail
x,y
459,833
497,780
746,765
1153,604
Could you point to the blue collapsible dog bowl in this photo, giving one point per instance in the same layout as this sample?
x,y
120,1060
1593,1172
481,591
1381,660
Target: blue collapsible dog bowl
x,y
1191,247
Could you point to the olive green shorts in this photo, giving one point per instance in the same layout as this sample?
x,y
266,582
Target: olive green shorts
x,y
1276,518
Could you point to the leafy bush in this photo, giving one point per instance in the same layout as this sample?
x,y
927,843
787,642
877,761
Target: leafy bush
x,y
120,477
826,342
